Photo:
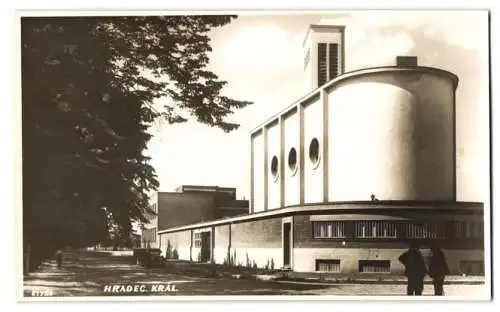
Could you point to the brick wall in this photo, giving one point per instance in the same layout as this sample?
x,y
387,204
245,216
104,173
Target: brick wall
x,y
259,243
303,238
350,251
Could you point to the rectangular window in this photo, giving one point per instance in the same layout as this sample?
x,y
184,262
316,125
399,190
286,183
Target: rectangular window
x,y
459,229
479,230
422,230
197,240
375,229
328,265
374,266
322,64
471,267
328,229
473,230
333,63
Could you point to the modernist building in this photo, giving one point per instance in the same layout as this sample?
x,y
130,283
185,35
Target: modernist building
x,y
187,205
345,177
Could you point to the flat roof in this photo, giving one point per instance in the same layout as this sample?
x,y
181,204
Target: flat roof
x,y
337,207
322,27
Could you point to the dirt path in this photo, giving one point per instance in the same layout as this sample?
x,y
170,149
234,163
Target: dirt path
x,y
101,274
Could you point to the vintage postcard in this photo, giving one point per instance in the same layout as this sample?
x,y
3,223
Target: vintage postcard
x,y
229,155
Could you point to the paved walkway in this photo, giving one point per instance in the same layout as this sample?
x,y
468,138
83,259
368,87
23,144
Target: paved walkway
x,y
101,274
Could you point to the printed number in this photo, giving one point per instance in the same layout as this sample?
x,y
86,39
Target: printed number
x,y
37,292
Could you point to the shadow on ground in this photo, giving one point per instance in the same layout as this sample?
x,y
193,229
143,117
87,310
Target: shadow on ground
x,y
93,270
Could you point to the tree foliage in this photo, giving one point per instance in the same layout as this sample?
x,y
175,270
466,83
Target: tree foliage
x,y
89,85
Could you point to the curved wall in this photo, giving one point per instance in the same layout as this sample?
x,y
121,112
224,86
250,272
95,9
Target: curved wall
x,y
392,135
371,147
257,198
291,174
313,172
387,131
273,196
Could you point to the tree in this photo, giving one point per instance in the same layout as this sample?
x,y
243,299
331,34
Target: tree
x,y
89,85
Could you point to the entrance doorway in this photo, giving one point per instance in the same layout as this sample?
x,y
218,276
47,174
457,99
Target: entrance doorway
x,y
287,233
205,246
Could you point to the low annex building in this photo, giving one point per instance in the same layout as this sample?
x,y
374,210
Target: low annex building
x,y
345,177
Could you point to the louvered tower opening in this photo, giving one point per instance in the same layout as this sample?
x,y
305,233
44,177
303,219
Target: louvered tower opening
x,y
322,64
328,62
333,60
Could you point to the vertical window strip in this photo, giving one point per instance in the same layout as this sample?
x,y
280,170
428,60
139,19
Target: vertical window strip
x,y
328,229
322,66
333,58
388,229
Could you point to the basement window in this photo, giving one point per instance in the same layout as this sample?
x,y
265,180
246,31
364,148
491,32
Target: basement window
x,y
469,267
328,265
374,266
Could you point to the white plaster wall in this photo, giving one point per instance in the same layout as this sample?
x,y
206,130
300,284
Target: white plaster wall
x,y
261,256
305,258
313,175
430,119
436,153
372,146
258,173
220,254
273,149
292,179
183,252
195,253
308,78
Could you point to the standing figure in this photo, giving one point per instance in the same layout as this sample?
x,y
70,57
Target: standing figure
x,y
438,269
59,256
415,269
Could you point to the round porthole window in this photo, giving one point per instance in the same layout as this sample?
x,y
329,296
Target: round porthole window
x,y
292,161
314,152
274,168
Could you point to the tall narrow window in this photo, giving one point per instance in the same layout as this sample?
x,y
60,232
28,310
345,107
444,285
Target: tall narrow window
x,y
328,229
333,60
322,64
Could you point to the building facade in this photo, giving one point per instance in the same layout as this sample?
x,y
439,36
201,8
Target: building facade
x,y
188,204
345,177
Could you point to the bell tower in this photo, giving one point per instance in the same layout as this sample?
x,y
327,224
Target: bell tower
x,y
324,54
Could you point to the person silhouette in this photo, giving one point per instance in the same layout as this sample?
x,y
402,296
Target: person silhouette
x,y
438,269
415,269
59,258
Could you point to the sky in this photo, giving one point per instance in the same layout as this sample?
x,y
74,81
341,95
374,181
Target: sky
x,y
261,58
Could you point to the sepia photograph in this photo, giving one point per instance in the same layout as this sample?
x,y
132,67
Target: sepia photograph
x,y
241,154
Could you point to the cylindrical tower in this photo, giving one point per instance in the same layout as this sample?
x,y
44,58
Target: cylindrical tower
x,y
391,133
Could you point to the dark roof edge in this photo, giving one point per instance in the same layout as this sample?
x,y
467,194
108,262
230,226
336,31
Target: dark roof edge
x,y
334,206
